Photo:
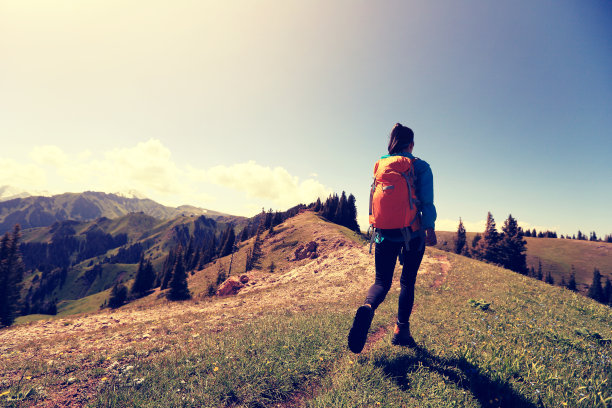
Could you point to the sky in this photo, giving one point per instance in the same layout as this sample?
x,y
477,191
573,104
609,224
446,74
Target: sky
x,y
238,105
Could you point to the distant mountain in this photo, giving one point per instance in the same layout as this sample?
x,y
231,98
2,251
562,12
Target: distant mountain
x,y
10,193
39,211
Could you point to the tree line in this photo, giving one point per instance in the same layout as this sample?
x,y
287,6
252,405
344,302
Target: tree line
x,y
508,249
580,236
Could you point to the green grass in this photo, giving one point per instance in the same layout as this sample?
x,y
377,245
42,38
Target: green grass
x,y
525,350
557,256
532,346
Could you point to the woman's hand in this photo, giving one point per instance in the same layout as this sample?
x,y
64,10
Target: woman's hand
x,y
430,237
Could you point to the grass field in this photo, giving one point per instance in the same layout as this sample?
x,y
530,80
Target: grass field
x,y
535,345
557,256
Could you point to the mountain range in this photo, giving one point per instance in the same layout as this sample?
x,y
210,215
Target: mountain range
x,y
43,211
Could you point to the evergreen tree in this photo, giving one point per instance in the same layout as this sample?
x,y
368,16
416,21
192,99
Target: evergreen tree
x,y
528,233
580,236
461,238
563,284
474,249
607,292
534,234
253,259
272,267
269,218
166,273
341,211
513,247
595,290
244,235
178,284
593,236
144,279
317,206
488,246
549,279
230,238
118,295
571,284
11,273
540,275
352,223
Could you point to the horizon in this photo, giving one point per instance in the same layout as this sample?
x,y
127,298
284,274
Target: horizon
x,y
234,108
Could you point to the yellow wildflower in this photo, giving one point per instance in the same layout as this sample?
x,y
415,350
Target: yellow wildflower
x,y
216,369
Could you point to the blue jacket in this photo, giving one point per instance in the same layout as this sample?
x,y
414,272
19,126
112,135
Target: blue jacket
x,y
424,190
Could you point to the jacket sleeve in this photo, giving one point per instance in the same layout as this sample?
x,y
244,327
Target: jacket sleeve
x,y
425,194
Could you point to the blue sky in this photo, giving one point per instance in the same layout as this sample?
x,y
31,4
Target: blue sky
x,y
237,105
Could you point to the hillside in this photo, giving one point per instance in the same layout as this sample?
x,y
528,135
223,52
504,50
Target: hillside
x,y
32,212
557,256
72,260
488,337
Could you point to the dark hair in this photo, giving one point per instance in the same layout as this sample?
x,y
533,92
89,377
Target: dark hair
x,y
400,138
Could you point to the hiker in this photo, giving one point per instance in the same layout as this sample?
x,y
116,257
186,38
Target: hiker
x,y
402,216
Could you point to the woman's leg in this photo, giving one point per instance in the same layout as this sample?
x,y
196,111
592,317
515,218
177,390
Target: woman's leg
x,y
412,261
385,258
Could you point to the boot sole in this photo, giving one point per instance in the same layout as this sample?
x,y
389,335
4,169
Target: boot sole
x,y
359,332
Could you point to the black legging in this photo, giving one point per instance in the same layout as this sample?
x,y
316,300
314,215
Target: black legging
x,y
386,254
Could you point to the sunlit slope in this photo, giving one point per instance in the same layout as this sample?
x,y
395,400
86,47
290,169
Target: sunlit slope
x,y
281,341
558,256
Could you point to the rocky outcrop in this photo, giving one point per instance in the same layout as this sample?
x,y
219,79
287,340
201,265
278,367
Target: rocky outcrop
x,y
306,251
230,287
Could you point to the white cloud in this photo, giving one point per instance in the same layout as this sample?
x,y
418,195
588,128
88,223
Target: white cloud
x,y
149,167
13,173
274,184
48,155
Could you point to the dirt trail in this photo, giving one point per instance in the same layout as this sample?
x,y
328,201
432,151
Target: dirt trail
x,y
343,268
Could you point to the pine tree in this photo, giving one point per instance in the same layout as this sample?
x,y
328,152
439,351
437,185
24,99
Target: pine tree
x,y
271,267
228,245
540,275
461,238
488,246
352,223
11,273
178,284
474,249
341,211
144,279
166,273
595,290
513,247
571,284
549,279
317,206
118,295
607,292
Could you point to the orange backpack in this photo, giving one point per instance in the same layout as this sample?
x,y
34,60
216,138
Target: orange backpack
x,y
393,200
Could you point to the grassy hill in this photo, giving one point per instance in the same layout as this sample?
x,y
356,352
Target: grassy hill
x,y
94,274
488,337
557,256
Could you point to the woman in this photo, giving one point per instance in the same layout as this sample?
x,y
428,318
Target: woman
x,y
407,244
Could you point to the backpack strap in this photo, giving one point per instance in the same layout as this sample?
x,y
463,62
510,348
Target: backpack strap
x,y
372,188
373,236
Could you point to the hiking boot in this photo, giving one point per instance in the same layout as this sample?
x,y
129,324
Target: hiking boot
x,y
359,332
402,337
